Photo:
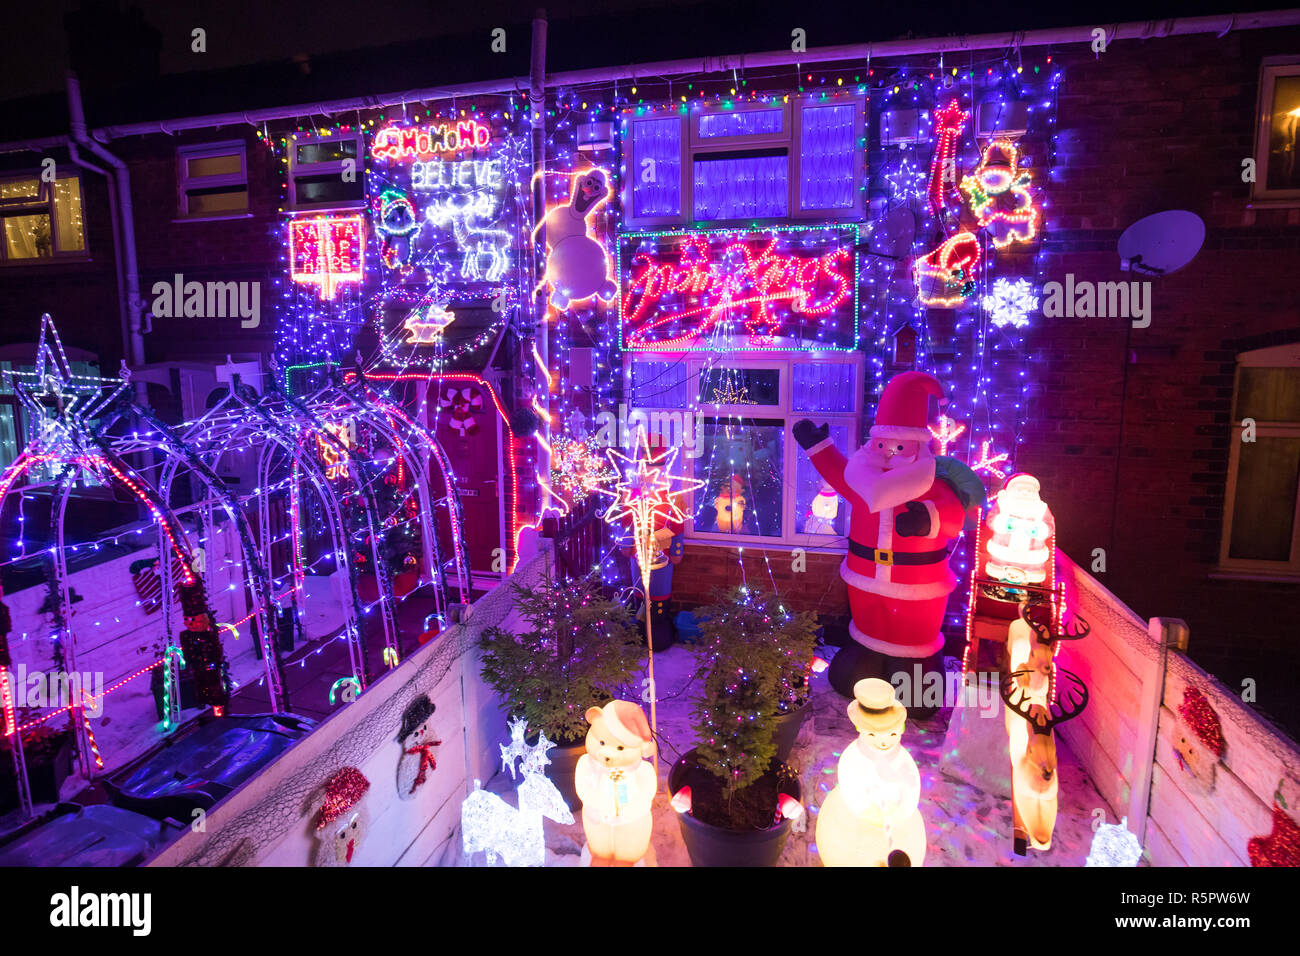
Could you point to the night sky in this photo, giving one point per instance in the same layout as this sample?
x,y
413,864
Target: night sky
x,y
34,50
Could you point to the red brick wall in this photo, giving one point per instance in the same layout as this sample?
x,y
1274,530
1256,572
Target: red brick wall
x,y
1138,467
817,587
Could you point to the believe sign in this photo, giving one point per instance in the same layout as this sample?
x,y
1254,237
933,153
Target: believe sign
x,y
785,288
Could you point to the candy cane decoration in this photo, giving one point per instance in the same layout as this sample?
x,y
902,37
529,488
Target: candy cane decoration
x,y
948,123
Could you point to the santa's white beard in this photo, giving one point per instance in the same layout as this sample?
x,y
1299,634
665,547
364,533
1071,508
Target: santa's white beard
x,y
883,488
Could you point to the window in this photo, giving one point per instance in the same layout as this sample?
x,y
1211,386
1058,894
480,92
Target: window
x,y
1277,172
327,173
779,161
42,220
732,418
213,180
1261,525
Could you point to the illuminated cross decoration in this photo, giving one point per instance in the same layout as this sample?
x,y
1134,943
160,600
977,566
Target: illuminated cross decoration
x,y
643,496
426,324
947,433
989,462
62,406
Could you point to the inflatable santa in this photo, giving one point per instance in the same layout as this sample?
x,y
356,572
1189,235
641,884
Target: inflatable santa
x,y
907,507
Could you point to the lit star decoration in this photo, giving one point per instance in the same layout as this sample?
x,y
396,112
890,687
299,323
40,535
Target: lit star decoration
x,y
61,405
988,461
947,432
644,497
1010,302
427,323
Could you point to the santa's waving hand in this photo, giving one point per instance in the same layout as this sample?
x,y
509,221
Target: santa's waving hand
x,y
904,517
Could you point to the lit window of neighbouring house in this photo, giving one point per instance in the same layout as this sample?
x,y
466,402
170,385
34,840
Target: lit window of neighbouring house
x,y
42,220
213,180
1261,528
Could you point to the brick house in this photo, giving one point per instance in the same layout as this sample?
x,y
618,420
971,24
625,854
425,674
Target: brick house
x,y
1130,430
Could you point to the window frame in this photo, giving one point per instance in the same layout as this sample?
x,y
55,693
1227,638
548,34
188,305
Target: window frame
x,y
790,138
185,182
696,362
297,168
1283,356
1270,69
43,204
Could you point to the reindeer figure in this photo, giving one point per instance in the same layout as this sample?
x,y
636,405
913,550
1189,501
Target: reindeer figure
x,y
1032,745
510,836
1031,650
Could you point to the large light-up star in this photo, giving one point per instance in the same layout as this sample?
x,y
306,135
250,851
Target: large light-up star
x,y
645,490
62,405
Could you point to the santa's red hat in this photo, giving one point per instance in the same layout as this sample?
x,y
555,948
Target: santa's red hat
x,y
904,409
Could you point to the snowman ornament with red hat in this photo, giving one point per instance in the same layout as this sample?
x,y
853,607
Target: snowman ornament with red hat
x,y
907,508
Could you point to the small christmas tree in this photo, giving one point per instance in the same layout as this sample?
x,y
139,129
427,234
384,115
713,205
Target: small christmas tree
x,y
756,656
580,646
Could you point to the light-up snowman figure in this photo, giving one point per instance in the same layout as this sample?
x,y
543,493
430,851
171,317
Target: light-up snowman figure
x,y
873,812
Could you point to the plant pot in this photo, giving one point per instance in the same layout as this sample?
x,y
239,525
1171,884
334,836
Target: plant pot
x,y
367,588
44,774
717,846
786,730
564,761
404,582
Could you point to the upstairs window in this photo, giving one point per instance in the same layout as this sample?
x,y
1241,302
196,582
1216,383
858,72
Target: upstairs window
x,y
1261,522
213,180
787,160
42,220
1277,138
327,173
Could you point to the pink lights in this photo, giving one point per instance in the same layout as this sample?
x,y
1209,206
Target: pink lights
x,y
405,144
327,252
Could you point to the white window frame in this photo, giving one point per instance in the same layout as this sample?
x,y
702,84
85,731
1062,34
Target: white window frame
x,y
185,182
333,167
43,204
1260,195
1282,356
698,362
790,138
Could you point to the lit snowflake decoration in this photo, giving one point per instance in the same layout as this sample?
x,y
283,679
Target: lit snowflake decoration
x,y
1010,302
1114,845
576,470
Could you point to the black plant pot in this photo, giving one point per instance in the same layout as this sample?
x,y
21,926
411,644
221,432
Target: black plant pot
x,y
786,729
45,775
717,846
564,761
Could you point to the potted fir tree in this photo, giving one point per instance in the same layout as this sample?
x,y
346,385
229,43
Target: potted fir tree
x,y
755,657
47,752
577,650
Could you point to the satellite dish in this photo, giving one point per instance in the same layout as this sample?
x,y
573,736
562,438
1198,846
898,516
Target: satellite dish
x,y
1162,243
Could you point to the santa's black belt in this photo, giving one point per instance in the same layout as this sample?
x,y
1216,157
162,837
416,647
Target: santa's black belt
x,y
896,557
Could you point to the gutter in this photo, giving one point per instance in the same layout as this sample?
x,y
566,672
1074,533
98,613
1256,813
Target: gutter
x,y
1018,39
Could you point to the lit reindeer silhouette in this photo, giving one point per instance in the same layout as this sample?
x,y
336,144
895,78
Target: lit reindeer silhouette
x,y
1032,745
1031,650
510,836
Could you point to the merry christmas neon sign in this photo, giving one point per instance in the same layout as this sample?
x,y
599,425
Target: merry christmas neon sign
x,y
781,289
404,144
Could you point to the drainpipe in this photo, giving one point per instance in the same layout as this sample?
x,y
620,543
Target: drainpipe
x,y
124,316
133,341
537,112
